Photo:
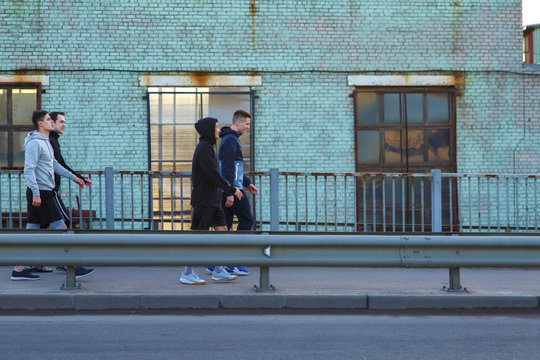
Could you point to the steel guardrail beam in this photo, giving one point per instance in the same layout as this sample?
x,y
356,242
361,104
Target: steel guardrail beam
x,y
321,250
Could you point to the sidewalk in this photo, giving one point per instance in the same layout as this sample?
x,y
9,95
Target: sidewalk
x,y
158,288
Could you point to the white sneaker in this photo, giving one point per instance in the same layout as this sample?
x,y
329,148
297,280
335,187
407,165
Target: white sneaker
x,y
222,275
191,279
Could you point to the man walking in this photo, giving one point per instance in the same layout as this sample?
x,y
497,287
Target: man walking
x,y
59,126
39,169
231,163
206,194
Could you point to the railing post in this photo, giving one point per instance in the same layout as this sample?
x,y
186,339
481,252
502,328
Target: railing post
x,y
264,271
436,201
436,224
109,197
274,199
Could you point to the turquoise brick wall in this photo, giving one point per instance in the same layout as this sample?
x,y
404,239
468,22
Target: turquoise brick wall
x,y
106,121
242,35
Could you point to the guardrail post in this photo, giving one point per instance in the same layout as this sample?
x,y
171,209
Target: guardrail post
x,y
71,282
109,197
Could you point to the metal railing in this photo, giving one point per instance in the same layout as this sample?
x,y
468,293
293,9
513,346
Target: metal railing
x,y
300,202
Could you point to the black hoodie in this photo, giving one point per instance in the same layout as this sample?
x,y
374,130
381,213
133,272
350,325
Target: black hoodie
x,y
205,178
53,138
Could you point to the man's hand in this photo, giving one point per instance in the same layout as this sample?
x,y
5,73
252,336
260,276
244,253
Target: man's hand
x,y
87,181
252,189
36,201
239,195
230,201
79,182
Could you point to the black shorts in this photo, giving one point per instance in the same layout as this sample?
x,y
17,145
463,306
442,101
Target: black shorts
x,y
206,217
45,214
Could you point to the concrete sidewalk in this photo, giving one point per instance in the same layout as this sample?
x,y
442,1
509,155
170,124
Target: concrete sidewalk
x,y
158,288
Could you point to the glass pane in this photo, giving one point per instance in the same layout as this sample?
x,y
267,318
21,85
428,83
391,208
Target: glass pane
x,y
368,143
3,106
438,109
153,100
167,109
245,140
155,141
18,148
222,107
367,108
392,109
186,108
393,147
415,146
167,142
3,149
186,140
439,145
24,103
415,109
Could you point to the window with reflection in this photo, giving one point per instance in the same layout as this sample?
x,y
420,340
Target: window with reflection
x,y
17,102
402,130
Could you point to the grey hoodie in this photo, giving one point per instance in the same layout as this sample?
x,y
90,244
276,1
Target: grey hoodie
x,y
40,164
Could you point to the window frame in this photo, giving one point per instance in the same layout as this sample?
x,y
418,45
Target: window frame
x,y
381,166
9,127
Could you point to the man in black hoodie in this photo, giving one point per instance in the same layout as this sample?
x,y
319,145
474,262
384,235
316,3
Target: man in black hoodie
x,y
206,194
59,126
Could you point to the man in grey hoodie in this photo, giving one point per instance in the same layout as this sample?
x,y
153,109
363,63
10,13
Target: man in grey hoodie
x,y
39,168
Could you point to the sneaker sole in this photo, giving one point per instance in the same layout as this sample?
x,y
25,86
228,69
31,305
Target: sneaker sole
x,y
192,283
85,275
20,278
220,280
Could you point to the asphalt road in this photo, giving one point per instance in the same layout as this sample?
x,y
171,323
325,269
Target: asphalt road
x,y
270,337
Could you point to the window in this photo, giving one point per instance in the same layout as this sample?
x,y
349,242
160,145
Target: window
x,y
17,102
408,130
173,138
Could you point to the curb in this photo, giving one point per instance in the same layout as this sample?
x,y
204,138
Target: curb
x,y
138,302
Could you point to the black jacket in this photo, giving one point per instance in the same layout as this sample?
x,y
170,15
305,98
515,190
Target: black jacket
x,y
205,178
53,138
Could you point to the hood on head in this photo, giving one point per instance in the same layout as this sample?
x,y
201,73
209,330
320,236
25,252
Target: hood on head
x,y
206,127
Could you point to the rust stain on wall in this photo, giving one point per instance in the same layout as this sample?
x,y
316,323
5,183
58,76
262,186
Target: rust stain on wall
x,y
252,12
200,78
460,83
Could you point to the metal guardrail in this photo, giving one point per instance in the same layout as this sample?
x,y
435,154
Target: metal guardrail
x,y
307,202
266,250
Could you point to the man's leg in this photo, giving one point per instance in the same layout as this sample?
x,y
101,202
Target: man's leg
x,y
21,272
198,222
229,212
242,209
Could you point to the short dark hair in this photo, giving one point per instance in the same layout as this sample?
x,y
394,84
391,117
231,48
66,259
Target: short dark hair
x,y
240,115
54,115
38,116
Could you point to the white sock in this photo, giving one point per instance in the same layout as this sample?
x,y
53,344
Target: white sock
x,y
188,270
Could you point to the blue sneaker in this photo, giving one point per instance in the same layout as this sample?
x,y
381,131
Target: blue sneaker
x,y
237,270
210,269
